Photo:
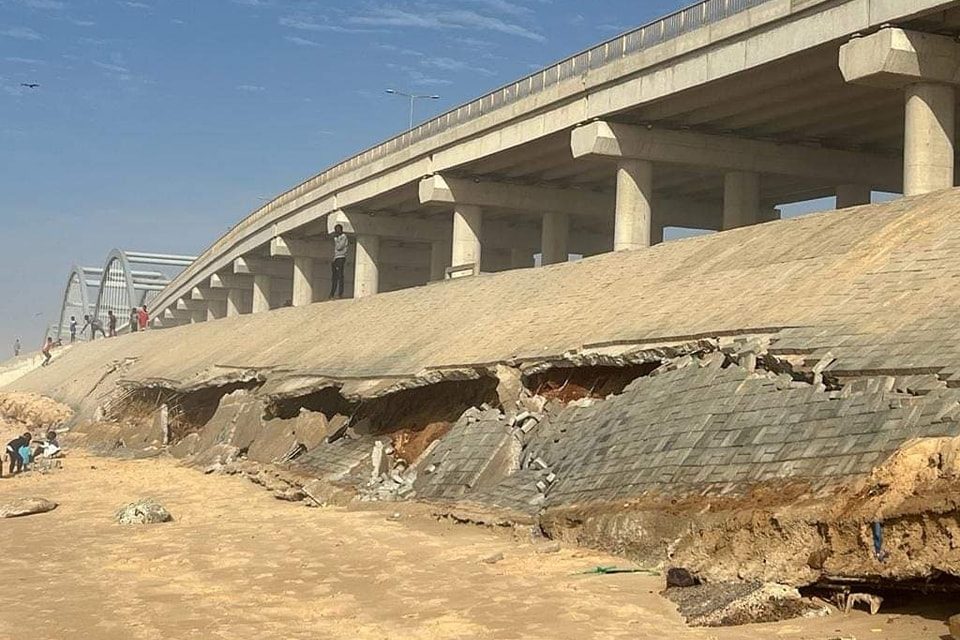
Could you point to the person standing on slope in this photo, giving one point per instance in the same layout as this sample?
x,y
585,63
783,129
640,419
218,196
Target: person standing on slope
x,y
340,246
95,326
143,318
45,350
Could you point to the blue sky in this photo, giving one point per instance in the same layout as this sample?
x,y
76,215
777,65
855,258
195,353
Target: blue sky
x,y
160,123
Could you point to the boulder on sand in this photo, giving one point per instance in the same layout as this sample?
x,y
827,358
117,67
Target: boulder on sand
x,y
954,624
25,507
144,511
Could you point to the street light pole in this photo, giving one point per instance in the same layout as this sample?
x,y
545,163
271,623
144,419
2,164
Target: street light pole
x,y
413,99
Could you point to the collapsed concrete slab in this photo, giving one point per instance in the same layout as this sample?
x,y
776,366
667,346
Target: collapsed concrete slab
x,y
777,403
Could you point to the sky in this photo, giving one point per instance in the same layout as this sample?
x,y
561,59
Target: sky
x,y
158,124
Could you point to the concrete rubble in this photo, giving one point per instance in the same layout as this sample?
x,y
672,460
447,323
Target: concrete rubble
x,y
143,511
774,406
26,507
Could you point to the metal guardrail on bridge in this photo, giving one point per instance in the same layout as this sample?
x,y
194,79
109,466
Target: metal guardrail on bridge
x,y
649,35
644,37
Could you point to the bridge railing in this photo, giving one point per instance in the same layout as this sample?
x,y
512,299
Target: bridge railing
x,y
654,33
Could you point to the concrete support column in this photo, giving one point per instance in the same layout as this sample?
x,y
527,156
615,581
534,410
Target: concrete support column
x,y
467,225
261,293
741,199
631,228
520,258
438,261
234,302
302,281
555,234
928,142
852,195
366,272
656,234
216,309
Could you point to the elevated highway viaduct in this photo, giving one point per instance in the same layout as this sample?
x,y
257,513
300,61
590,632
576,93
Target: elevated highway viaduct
x,y
708,118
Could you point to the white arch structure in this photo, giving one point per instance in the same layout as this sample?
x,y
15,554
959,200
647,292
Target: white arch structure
x,y
127,280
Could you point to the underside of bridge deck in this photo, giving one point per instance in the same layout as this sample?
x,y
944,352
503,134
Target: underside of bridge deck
x,y
865,112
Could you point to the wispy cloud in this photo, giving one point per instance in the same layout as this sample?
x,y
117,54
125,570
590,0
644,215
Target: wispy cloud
x,y
431,16
251,88
305,23
441,63
302,42
504,7
21,33
418,77
450,64
48,5
119,70
109,66
19,60
10,87
134,4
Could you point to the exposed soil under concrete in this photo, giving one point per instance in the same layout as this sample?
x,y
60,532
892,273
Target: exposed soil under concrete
x,y
568,384
236,563
411,443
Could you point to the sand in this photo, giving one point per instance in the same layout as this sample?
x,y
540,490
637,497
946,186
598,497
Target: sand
x,y
239,564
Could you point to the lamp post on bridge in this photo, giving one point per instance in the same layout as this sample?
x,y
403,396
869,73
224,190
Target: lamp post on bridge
x,y
413,99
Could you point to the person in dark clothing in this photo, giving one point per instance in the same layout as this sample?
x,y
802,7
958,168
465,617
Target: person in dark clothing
x,y
340,245
112,322
133,320
95,325
13,451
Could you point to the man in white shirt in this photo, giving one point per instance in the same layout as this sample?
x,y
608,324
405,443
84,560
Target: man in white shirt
x,y
340,245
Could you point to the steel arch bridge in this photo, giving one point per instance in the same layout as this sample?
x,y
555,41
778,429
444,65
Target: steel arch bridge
x,y
128,279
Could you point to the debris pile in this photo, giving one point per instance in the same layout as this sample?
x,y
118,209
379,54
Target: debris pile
x,y
143,511
731,604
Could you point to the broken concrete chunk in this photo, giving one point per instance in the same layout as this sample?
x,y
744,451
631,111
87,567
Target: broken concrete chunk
x,y
550,547
494,558
143,511
379,459
681,578
872,602
26,507
954,625
824,362
293,494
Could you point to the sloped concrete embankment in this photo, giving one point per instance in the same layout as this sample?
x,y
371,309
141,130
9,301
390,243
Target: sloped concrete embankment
x,y
760,404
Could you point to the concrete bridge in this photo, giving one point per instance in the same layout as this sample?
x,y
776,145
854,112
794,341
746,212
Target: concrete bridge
x,y
708,119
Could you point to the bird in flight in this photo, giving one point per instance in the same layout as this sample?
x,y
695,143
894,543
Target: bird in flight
x,y
29,85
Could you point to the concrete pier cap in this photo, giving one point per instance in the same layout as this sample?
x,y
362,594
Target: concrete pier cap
x,y
893,58
926,67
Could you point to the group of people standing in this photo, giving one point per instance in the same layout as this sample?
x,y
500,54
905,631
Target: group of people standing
x,y
139,319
